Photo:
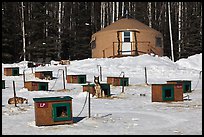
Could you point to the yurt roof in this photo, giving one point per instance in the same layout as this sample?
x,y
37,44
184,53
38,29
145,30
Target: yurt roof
x,y
127,24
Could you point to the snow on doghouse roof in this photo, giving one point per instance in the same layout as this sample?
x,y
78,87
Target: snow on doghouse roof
x,y
37,80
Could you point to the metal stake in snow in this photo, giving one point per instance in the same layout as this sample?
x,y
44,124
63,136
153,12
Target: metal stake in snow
x,y
123,81
63,78
100,72
14,93
146,76
65,70
89,106
24,76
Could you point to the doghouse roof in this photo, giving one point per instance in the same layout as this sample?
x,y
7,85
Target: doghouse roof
x,y
127,24
178,81
46,99
11,67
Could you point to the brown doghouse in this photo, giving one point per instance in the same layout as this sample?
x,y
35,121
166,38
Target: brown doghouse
x,y
11,71
36,85
44,75
87,88
167,92
118,81
53,110
186,84
80,79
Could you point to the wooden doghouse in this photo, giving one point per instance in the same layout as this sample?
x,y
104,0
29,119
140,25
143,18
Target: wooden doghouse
x,y
104,86
11,71
118,81
3,84
90,88
186,84
53,110
36,85
80,79
44,74
167,92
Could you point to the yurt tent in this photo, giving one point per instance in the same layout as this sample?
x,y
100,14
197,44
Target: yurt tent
x,y
126,37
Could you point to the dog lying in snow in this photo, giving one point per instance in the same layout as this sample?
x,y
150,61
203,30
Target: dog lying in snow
x,y
19,100
99,92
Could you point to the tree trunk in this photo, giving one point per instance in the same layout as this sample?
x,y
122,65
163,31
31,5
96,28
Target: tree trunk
x,y
170,31
59,30
179,31
113,19
117,10
23,29
150,13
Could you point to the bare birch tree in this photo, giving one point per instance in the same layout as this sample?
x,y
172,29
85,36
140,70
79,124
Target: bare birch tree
x,y
59,29
150,13
113,13
117,10
170,31
23,29
179,30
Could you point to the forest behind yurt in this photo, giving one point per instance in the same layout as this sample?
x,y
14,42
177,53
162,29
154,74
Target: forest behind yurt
x,y
42,31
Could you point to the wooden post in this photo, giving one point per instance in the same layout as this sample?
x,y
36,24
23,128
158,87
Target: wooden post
x,y
123,83
89,108
14,93
63,79
146,76
100,73
65,70
32,69
24,76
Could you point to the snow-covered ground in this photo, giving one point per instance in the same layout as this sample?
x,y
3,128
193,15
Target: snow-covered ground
x,y
126,113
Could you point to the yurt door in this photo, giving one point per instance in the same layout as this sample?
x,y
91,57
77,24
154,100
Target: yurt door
x,y
126,42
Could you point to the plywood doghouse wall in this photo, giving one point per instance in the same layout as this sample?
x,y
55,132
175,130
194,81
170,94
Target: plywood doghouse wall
x,y
90,88
44,74
12,71
167,92
80,79
53,110
36,85
186,84
104,86
118,81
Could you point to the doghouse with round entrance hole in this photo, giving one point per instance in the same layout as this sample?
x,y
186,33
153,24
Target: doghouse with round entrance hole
x,y
44,74
53,110
167,92
118,81
3,84
80,79
11,71
186,84
36,85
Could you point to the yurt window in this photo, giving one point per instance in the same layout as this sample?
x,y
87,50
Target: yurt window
x,y
126,36
158,42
